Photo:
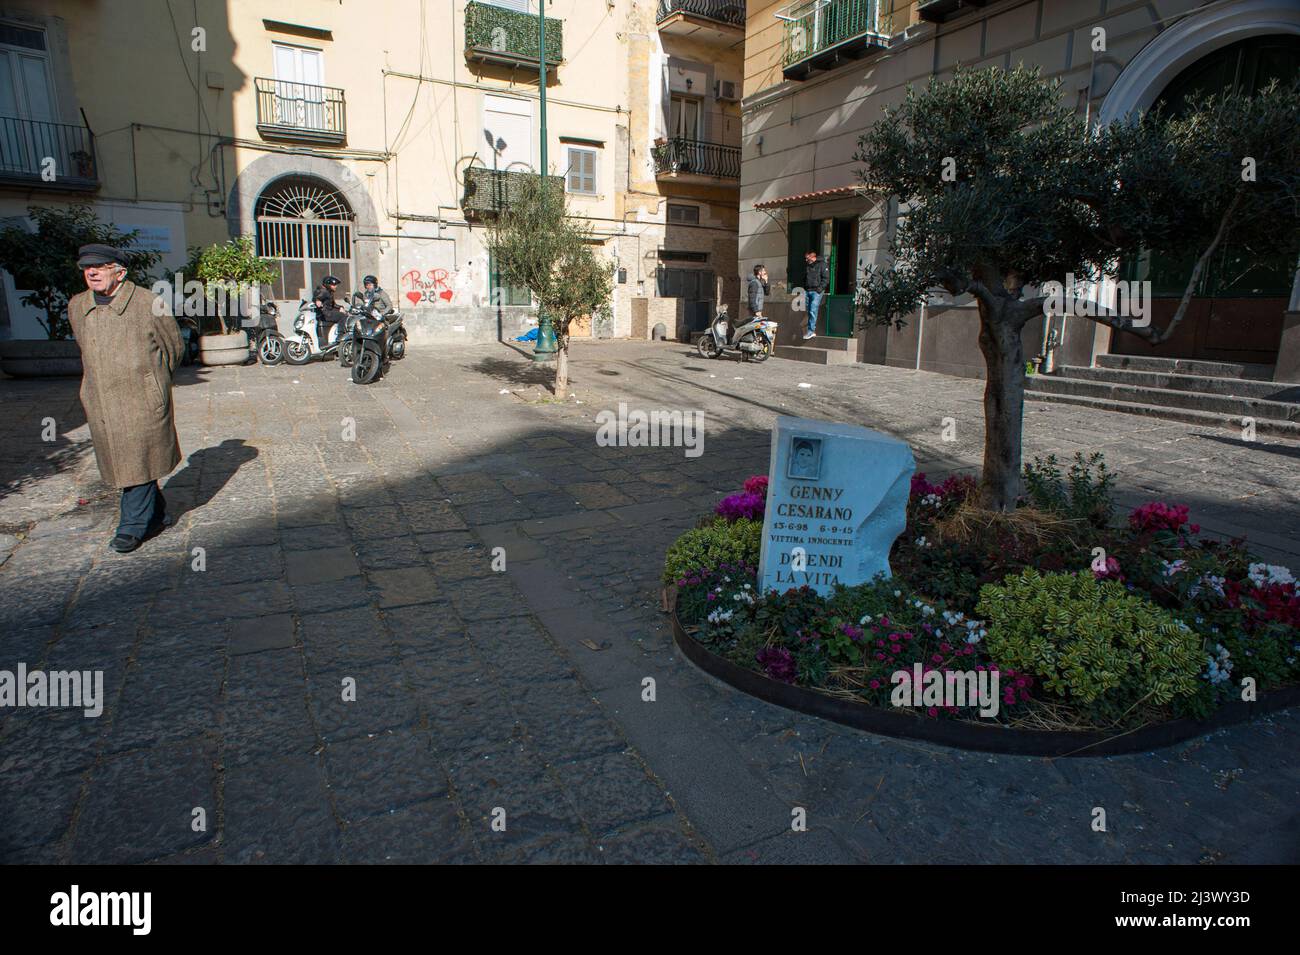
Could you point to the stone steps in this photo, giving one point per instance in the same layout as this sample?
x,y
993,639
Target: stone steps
x,y
1220,404
819,356
1268,426
1228,387
1186,366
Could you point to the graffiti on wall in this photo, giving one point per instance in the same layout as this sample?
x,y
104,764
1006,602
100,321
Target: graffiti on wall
x,y
423,288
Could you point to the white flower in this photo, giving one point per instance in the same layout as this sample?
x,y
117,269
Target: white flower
x,y
1220,667
1262,573
1174,567
898,593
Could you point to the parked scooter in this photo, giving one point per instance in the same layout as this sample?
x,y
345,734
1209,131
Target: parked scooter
x,y
264,338
189,330
377,340
305,344
753,341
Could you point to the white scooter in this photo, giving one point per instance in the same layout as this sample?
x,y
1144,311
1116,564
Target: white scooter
x,y
304,344
753,341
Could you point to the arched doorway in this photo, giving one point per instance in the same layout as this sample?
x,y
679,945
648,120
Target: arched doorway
x,y
1237,311
305,226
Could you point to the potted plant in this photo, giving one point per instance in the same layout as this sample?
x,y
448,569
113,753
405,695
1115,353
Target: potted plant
x,y
229,271
45,261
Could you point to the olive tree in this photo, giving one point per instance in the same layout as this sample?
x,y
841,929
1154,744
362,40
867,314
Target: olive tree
x,y
1003,188
539,246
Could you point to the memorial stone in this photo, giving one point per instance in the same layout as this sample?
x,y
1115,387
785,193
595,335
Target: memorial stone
x,y
836,500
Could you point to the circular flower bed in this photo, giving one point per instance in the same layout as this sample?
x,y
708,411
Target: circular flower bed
x,y
1053,619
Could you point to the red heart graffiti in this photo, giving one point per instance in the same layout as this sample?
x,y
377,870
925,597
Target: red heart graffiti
x,y
445,295
414,297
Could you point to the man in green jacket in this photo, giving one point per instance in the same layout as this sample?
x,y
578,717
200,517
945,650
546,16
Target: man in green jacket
x,y
130,346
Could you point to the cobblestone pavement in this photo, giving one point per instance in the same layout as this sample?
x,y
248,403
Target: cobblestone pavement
x,y
331,563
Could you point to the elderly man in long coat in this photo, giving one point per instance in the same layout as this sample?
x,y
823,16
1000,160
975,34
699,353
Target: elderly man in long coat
x,y
129,347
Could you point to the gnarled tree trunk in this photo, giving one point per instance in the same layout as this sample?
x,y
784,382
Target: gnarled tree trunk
x,y
562,367
1001,321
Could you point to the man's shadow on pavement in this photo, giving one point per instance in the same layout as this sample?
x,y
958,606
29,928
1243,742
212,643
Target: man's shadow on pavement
x,y
205,473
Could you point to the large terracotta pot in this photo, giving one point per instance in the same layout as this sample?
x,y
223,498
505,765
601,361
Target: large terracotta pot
x,y
40,358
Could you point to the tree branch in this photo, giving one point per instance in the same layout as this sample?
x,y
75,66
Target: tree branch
x,y
1154,335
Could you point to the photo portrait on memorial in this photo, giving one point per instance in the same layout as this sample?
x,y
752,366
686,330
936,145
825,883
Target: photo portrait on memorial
x,y
805,458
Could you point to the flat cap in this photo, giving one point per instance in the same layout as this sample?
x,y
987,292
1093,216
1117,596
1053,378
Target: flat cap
x,y
99,254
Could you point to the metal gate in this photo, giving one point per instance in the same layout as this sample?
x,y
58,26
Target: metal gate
x,y
305,228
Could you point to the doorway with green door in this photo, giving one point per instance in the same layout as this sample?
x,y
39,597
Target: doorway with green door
x,y
836,241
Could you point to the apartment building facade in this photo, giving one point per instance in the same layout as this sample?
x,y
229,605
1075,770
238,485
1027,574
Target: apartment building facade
x,y
819,72
354,138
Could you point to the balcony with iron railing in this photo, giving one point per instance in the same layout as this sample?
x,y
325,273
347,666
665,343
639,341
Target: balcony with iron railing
x,y
300,111
45,155
702,19
509,38
937,11
823,34
696,157
489,191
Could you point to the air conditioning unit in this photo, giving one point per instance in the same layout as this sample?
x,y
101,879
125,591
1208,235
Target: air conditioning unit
x,y
725,91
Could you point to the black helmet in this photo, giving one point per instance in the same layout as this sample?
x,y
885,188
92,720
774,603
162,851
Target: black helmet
x,y
329,280
369,280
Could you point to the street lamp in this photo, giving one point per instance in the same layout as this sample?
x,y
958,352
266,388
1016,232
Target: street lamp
x,y
498,146
546,346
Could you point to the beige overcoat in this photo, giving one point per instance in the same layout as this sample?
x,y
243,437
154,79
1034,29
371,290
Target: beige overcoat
x,y
129,349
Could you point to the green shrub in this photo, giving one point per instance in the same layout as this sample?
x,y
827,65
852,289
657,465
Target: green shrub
x,y
714,544
1081,495
1091,642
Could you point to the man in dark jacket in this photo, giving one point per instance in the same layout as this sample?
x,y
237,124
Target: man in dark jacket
x,y
373,296
327,310
816,281
756,290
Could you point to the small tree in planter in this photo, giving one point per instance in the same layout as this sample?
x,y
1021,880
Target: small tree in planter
x,y
1006,189
228,271
540,247
45,261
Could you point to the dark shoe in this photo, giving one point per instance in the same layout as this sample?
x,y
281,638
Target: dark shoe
x,y
124,543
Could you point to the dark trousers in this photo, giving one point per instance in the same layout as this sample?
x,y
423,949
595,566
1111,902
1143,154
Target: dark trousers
x,y
143,509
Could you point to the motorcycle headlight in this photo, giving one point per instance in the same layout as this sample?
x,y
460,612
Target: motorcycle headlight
x,y
297,324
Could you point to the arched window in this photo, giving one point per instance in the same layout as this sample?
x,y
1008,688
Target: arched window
x,y
304,225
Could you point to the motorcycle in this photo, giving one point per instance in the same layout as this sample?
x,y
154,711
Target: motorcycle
x,y
753,341
377,340
305,344
264,339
